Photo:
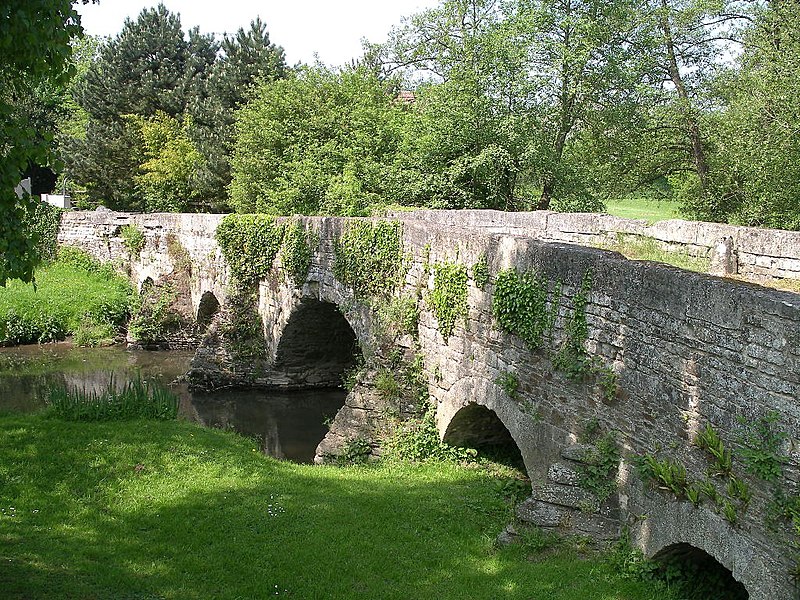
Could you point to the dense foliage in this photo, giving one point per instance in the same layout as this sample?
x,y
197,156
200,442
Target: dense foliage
x,y
369,257
320,141
249,244
34,56
515,105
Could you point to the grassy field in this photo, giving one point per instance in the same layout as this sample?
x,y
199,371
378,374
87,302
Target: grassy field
x,y
144,510
643,208
72,296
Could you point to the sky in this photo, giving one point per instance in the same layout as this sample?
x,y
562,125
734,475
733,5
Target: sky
x,y
331,28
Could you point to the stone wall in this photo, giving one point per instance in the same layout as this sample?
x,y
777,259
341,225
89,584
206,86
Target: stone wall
x,y
752,253
687,349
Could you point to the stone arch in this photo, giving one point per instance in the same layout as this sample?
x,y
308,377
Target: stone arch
x,y
207,308
707,575
476,426
317,346
670,524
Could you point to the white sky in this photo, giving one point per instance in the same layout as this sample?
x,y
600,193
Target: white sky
x,y
331,28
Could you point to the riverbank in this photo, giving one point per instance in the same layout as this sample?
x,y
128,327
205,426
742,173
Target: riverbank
x,y
170,510
73,296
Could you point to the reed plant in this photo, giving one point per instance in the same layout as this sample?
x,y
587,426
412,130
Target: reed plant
x,y
135,399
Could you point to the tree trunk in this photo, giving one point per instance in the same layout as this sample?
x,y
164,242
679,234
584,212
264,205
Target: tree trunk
x,y
692,125
565,123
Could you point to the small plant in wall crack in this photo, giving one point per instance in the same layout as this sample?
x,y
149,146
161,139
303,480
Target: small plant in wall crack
x,y
666,474
355,452
509,383
598,475
133,238
761,442
709,441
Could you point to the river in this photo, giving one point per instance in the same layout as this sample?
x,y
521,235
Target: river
x,y
286,425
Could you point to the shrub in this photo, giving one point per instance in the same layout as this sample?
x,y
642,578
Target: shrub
x,y
133,238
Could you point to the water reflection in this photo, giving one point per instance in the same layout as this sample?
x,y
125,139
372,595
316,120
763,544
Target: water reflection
x,y
286,424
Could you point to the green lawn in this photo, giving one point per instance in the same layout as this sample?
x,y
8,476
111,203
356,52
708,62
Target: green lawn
x,y
643,208
69,297
150,510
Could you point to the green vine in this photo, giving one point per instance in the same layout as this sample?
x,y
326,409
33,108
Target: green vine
x,y
43,220
297,249
572,359
520,306
369,257
448,298
480,271
249,244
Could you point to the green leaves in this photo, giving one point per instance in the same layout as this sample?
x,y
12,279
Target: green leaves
x,y
448,298
249,244
520,306
297,249
369,257
320,142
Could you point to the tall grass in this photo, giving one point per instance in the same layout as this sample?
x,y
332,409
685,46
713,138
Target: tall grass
x,y
74,295
136,399
646,248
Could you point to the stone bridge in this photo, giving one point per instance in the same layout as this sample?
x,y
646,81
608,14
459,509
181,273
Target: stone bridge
x,y
641,354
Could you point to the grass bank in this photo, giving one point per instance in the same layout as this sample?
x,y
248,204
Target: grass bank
x,y
146,509
643,208
74,295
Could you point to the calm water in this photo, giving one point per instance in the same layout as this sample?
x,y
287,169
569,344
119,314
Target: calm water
x,y
286,425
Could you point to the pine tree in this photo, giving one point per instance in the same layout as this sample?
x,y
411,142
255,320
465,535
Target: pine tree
x,y
149,68
248,58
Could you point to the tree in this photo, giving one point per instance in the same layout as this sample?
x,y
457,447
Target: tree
x,y
522,79
170,163
757,164
319,142
249,57
46,27
149,68
660,132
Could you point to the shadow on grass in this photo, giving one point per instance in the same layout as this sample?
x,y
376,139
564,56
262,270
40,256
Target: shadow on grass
x,y
146,510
